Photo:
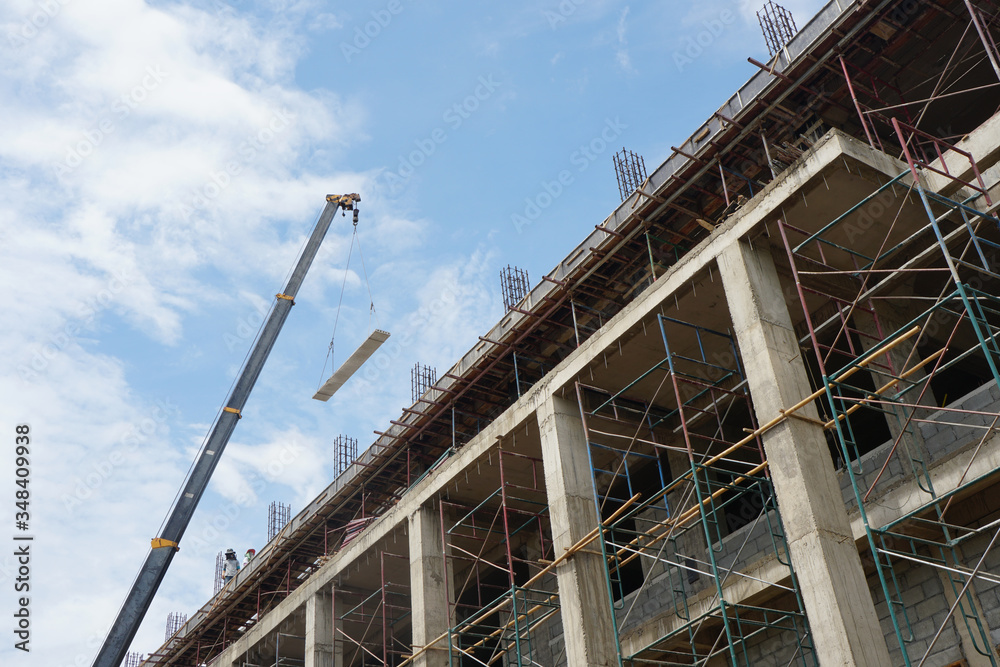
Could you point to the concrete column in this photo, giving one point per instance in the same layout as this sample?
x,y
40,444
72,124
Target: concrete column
x,y
428,587
588,626
842,618
320,640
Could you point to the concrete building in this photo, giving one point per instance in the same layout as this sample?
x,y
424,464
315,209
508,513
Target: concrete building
x,y
749,420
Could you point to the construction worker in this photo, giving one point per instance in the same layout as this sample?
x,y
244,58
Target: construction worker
x,y
231,567
248,557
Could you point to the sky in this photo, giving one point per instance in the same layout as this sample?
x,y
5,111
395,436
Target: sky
x,y
161,164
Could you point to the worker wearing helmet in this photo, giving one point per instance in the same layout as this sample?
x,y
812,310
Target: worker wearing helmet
x,y
231,567
248,557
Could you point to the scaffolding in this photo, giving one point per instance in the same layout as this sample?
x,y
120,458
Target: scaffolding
x,y
345,451
707,528
373,626
902,324
175,621
278,514
500,592
892,52
132,659
513,286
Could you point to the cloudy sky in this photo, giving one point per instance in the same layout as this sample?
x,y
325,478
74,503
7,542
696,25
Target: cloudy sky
x,y
162,163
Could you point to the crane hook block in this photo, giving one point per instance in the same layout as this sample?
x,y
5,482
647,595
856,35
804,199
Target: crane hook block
x,y
160,543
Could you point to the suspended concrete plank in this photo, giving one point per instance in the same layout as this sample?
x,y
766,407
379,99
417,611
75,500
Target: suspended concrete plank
x,y
351,366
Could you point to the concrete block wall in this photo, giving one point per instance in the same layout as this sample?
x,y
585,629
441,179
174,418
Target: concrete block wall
x,y
740,549
773,648
988,593
941,441
923,595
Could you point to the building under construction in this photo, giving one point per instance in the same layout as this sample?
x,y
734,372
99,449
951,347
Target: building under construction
x,y
751,419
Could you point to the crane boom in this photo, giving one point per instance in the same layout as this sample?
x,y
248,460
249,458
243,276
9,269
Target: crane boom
x,y
166,544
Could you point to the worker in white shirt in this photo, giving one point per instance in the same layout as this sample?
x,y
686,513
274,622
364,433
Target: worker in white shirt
x,y
232,566
248,557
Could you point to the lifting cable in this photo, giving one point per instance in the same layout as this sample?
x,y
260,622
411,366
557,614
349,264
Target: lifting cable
x,y
343,288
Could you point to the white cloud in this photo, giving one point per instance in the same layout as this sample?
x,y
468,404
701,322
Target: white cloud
x,y
152,160
325,21
622,56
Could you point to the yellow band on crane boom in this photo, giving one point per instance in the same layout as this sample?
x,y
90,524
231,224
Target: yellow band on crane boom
x,y
160,543
285,297
234,411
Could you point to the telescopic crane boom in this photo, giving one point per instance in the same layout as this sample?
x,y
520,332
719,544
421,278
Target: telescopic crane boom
x,y
163,547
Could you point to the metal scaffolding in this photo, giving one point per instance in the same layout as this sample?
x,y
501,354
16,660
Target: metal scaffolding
x,y
500,596
132,659
892,52
902,324
707,526
374,626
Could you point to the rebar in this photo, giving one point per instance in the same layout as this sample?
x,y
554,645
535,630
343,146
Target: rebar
x,y
514,285
778,26
278,514
630,169
345,451
422,378
220,564
175,621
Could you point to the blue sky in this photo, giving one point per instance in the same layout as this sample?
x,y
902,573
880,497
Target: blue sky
x,y
161,164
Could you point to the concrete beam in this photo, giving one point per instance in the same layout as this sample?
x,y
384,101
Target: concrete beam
x,y
841,612
590,635
428,587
